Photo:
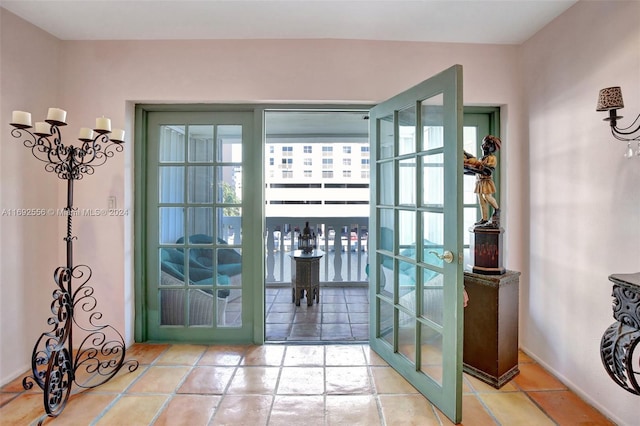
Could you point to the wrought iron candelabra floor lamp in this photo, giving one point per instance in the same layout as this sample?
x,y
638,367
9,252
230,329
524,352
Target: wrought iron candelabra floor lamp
x,y
55,363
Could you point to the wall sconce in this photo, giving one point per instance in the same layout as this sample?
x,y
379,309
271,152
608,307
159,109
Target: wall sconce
x,y
610,99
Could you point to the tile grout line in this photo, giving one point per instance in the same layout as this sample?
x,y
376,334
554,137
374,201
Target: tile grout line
x,y
120,394
275,388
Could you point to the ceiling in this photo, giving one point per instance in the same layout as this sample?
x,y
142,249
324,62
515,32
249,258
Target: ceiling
x,y
459,21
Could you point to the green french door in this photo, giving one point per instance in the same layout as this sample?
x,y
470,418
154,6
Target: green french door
x,y
416,310
196,280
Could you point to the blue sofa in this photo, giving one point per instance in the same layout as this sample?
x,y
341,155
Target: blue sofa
x,y
200,262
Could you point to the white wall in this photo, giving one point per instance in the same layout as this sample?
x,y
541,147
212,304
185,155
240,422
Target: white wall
x,y
584,196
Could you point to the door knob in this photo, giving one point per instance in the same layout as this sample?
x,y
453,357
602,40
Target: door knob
x,y
447,256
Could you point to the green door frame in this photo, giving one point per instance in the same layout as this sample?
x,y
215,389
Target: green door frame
x,y
253,197
253,224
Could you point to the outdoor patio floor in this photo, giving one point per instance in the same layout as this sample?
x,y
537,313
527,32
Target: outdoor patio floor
x,y
341,315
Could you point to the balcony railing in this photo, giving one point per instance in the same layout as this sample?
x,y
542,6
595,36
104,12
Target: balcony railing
x,y
344,241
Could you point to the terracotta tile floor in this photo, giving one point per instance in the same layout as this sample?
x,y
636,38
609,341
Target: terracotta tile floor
x,y
291,385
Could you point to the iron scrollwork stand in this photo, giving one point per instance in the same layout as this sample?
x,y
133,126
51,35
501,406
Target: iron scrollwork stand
x,y
55,363
622,338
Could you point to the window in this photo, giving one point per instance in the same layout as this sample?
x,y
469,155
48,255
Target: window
x,y
308,162
364,150
346,173
272,161
327,151
346,149
287,163
327,163
364,174
287,174
271,149
346,161
308,149
287,151
308,173
364,163
327,174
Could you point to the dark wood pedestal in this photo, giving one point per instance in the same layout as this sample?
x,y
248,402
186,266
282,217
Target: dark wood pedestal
x,y
491,327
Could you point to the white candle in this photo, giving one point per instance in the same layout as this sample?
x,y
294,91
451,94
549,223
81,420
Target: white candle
x,y
43,128
57,114
117,135
103,124
21,117
86,133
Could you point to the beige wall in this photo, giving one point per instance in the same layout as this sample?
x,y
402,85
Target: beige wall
x,y
122,73
561,317
107,78
585,197
29,251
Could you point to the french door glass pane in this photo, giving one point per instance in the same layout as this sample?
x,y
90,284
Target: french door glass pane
x,y
172,307
407,182
200,220
433,180
201,304
432,123
407,233
385,183
200,144
407,131
229,264
201,184
387,281
200,266
387,225
433,237
171,224
407,336
230,308
433,295
171,184
169,261
407,285
431,353
386,320
229,184
386,137
229,144
231,224
171,144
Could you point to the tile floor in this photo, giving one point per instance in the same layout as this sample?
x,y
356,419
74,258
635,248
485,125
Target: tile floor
x,y
277,384
341,315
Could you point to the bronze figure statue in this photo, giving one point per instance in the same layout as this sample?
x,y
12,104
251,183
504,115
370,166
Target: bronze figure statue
x,y
484,168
